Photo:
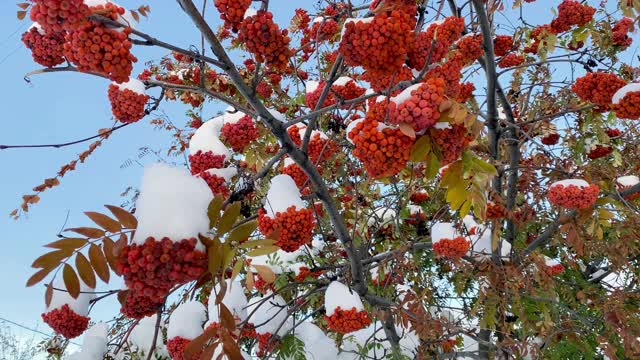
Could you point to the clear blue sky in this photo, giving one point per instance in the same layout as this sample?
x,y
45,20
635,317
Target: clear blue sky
x,y
62,107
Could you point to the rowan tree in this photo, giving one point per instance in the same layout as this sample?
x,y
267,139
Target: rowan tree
x,y
393,179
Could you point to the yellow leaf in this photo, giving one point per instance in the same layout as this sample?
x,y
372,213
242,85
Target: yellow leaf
x,y
228,218
266,250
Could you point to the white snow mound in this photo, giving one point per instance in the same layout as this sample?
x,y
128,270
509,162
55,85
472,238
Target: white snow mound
x,y
186,320
623,91
133,84
61,297
282,194
339,295
575,182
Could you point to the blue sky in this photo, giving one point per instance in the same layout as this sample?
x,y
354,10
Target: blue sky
x,y
63,107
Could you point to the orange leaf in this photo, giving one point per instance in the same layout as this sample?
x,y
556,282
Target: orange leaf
x,y
99,262
407,130
67,243
91,233
126,218
265,273
249,278
85,270
104,221
48,294
108,246
196,345
21,14
71,281
228,321
230,347
38,276
23,6
51,259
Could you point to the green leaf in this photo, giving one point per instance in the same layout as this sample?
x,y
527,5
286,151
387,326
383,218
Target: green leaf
x,y
214,210
421,148
255,243
243,231
266,250
228,218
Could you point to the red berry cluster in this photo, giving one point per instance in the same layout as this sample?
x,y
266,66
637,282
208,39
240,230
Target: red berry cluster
x,y
613,133
217,184
319,149
267,345
311,98
201,161
305,272
550,139
419,197
153,268
451,72
127,105
421,110
297,174
573,197
46,50
465,93
571,13
383,152
502,44
451,141
322,30
66,322
263,38
264,90
240,134
176,347
598,87
538,36
295,225
599,151
470,47
380,82
57,16
232,12
629,106
346,321
380,45
620,30
97,48
434,43
348,91
495,211
511,60
137,305
451,248
261,284
554,270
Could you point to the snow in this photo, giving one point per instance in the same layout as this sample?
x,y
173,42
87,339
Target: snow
x,y
376,271
628,181
206,138
311,86
133,84
414,209
172,204
141,337
576,182
597,274
295,267
60,298
317,345
234,299
481,244
623,91
226,173
232,116
443,169
550,262
218,351
442,125
374,334
288,161
186,320
269,314
383,214
94,344
405,94
282,194
37,26
278,115
441,231
126,19
342,81
279,261
250,12
338,294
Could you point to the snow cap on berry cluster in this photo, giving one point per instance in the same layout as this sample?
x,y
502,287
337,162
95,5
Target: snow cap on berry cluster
x,y
268,313
226,173
206,138
623,91
234,299
567,182
125,19
628,180
141,337
481,242
384,215
280,261
38,27
186,320
339,295
550,262
94,344
317,345
172,204
60,298
283,193
133,84
311,86
443,230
